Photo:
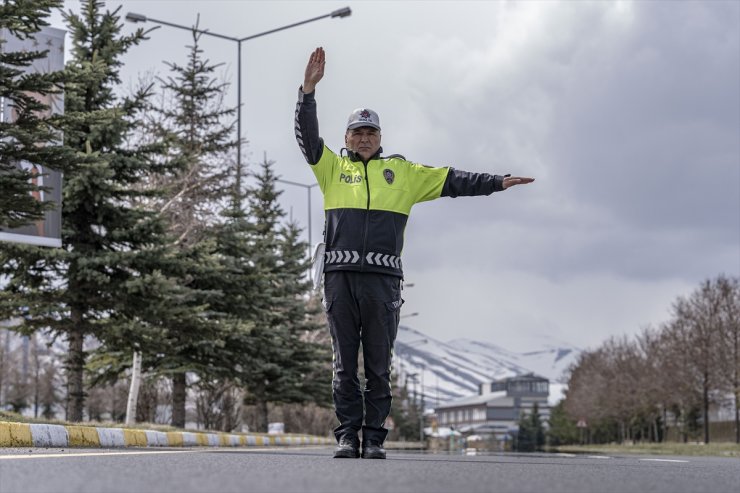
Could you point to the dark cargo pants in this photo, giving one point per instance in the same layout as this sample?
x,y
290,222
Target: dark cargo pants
x,y
362,308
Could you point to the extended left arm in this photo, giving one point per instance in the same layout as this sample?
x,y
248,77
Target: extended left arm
x,y
464,183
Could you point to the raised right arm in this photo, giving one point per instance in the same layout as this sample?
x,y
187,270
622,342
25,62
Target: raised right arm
x,y
306,121
307,127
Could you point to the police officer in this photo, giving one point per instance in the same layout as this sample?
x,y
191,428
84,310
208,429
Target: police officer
x,y
367,201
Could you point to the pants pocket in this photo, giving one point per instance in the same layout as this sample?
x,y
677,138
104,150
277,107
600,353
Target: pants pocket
x,y
394,305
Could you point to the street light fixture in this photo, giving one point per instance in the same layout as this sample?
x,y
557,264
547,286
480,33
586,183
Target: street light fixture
x,y
339,13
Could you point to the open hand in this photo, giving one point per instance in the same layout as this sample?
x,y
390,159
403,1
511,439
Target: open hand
x,y
314,70
510,181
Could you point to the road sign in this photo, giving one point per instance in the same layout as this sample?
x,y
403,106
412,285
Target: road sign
x,y
581,423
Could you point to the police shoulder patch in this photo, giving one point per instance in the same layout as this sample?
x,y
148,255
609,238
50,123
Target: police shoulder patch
x,y
389,175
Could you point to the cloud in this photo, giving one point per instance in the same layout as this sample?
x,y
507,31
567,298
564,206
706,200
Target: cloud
x,y
627,113
521,312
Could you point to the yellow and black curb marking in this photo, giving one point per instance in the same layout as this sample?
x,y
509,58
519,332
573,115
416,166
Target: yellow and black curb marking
x,y
43,435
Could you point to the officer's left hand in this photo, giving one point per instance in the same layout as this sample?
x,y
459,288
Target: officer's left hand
x,y
510,181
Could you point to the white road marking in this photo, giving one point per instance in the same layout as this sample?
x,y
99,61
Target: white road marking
x,y
91,454
664,460
142,452
598,457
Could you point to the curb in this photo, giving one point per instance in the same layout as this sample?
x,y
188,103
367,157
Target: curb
x,y
43,435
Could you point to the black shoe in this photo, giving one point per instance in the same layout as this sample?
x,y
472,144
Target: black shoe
x,y
347,448
372,450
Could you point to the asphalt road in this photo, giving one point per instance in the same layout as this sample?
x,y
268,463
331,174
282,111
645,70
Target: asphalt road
x,y
313,469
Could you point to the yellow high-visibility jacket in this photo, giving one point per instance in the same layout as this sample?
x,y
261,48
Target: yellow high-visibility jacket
x,y
367,204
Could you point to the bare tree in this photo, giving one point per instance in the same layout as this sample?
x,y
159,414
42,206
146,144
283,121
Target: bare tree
x,y
584,398
147,401
658,383
50,381
701,314
728,290
219,405
308,418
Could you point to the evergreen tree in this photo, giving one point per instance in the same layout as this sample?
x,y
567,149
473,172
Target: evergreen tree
x,y
309,380
29,136
406,412
89,287
112,245
531,434
198,143
562,429
288,363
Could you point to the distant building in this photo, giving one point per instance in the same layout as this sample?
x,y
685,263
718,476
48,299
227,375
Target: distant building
x,y
498,406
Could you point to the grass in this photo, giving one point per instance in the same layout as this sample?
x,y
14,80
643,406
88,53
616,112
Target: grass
x,y
666,448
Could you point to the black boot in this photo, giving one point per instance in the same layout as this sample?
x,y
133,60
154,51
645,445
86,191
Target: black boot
x,y
347,448
372,450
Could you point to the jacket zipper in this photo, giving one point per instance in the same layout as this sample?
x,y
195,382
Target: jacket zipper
x,y
367,220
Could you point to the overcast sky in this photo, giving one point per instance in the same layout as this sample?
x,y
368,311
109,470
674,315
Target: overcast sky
x,y
626,113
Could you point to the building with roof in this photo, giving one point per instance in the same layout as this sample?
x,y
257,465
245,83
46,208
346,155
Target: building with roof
x,y
496,410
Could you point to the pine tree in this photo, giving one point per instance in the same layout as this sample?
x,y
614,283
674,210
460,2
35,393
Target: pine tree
x,y
562,429
406,411
92,285
29,136
531,434
198,143
309,380
288,364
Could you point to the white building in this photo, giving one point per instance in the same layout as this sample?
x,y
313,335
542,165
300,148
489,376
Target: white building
x,y
498,406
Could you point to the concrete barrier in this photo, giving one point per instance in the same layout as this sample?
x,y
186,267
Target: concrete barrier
x,y
47,435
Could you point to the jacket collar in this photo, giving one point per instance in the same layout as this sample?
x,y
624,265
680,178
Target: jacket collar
x,y
354,157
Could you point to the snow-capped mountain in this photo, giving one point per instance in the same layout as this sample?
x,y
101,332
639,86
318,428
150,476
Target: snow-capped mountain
x,y
447,371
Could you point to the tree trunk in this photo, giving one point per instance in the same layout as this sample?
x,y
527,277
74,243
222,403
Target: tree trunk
x,y
75,371
3,355
737,415
36,372
133,393
656,429
664,424
179,389
262,417
705,404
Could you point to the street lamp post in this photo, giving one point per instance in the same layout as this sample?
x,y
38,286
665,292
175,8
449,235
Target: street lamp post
x,y
134,17
400,354
418,377
308,190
